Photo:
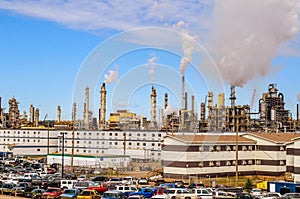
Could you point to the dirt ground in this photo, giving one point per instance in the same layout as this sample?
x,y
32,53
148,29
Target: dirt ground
x,y
10,197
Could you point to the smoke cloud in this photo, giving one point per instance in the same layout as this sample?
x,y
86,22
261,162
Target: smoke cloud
x,y
247,35
187,47
170,110
151,65
112,77
298,97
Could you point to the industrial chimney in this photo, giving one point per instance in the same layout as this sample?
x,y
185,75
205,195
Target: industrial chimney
x,y
86,112
74,112
102,110
297,112
153,106
31,112
36,117
182,90
185,101
58,113
202,112
232,96
193,103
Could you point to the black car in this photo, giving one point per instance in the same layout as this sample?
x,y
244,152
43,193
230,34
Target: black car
x,y
99,179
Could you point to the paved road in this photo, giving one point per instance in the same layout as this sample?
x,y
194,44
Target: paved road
x,y
10,197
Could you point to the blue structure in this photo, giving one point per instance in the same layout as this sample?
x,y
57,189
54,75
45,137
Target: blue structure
x,y
5,155
284,187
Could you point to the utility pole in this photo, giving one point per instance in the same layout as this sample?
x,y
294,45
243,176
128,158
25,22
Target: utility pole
x,y
236,150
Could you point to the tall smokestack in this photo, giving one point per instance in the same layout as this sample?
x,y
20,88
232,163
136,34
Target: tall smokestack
x,y
193,103
86,113
297,112
153,106
74,112
58,113
232,96
166,100
31,112
185,101
182,90
102,110
36,117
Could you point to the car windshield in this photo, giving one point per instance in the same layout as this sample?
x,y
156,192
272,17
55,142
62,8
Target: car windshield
x,y
69,191
87,193
52,190
109,195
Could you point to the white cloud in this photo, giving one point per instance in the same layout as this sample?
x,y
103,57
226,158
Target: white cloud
x,y
116,15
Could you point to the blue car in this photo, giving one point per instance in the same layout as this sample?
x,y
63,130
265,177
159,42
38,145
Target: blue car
x,y
70,193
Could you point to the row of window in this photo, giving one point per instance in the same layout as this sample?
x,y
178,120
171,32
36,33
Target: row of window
x,y
97,151
233,163
122,134
226,148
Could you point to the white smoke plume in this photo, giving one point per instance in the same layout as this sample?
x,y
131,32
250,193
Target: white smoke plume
x,y
170,110
187,47
298,97
151,64
112,77
247,35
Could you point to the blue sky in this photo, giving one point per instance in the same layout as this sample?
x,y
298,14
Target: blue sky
x,y
47,45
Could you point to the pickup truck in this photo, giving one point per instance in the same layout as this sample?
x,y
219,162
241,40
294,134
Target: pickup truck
x,y
89,194
101,188
146,192
179,193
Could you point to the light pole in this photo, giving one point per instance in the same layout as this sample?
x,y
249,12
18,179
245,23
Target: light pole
x,y
63,153
209,180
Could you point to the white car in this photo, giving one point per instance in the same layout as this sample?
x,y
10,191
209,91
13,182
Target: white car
x,y
272,195
202,193
161,196
82,178
256,193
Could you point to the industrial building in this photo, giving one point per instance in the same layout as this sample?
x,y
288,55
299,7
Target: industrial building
x,y
196,156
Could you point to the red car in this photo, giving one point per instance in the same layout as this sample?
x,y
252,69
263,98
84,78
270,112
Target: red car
x,y
101,188
52,192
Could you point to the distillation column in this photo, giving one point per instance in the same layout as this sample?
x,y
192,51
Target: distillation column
x,y
102,110
153,107
58,113
86,110
36,117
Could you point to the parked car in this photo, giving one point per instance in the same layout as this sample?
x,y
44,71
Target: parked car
x,y
52,192
37,193
113,194
161,196
136,197
67,184
89,194
202,193
272,195
256,193
290,195
82,178
70,193
126,189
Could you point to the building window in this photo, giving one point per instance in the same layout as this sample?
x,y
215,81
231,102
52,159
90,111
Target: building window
x,y
77,142
144,134
244,148
90,133
200,164
38,150
110,143
211,148
129,143
159,135
249,162
153,144
200,148
158,144
116,143
77,150
116,134
218,163
250,148
138,134
90,142
228,163
144,144
84,133
211,164
218,148
84,151
228,148
110,134
258,162
153,135
138,144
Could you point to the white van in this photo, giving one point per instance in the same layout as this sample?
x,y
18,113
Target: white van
x,y
67,184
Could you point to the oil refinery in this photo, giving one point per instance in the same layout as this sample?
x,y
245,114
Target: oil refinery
x,y
212,117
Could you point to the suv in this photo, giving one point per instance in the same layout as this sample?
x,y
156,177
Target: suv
x,y
175,193
113,194
67,184
202,193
